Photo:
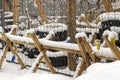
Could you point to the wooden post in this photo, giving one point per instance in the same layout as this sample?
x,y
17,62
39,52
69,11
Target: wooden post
x,y
71,21
28,18
107,5
89,50
4,55
7,8
15,11
83,51
42,50
41,11
113,47
9,45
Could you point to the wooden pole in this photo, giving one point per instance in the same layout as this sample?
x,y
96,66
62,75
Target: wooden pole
x,y
71,21
41,11
107,5
15,11
7,8
42,50
113,47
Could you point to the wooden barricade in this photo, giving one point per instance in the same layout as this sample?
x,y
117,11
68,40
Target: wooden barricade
x,y
13,49
42,47
96,58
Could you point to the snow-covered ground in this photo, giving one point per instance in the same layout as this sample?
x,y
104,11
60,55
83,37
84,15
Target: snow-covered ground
x,y
11,71
102,71
97,71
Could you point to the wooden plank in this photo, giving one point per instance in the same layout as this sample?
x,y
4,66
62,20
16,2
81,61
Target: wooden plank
x,y
42,50
4,55
113,47
41,11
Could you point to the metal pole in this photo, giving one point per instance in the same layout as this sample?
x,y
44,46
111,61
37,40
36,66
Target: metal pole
x,y
2,13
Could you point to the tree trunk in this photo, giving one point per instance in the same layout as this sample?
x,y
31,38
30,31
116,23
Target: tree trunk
x,y
71,21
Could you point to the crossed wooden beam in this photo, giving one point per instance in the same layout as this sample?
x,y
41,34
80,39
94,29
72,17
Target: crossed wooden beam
x,y
96,58
84,49
12,48
42,49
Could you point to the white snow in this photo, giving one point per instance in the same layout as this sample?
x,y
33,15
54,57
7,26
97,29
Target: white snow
x,y
8,14
111,34
7,76
102,71
1,29
44,42
84,24
55,27
13,27
36,62
44,76
110,16
115,28
50,35
105,52
82,34
87,30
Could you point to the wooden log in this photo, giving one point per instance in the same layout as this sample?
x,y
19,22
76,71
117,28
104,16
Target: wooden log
x,y
41,11
42,50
